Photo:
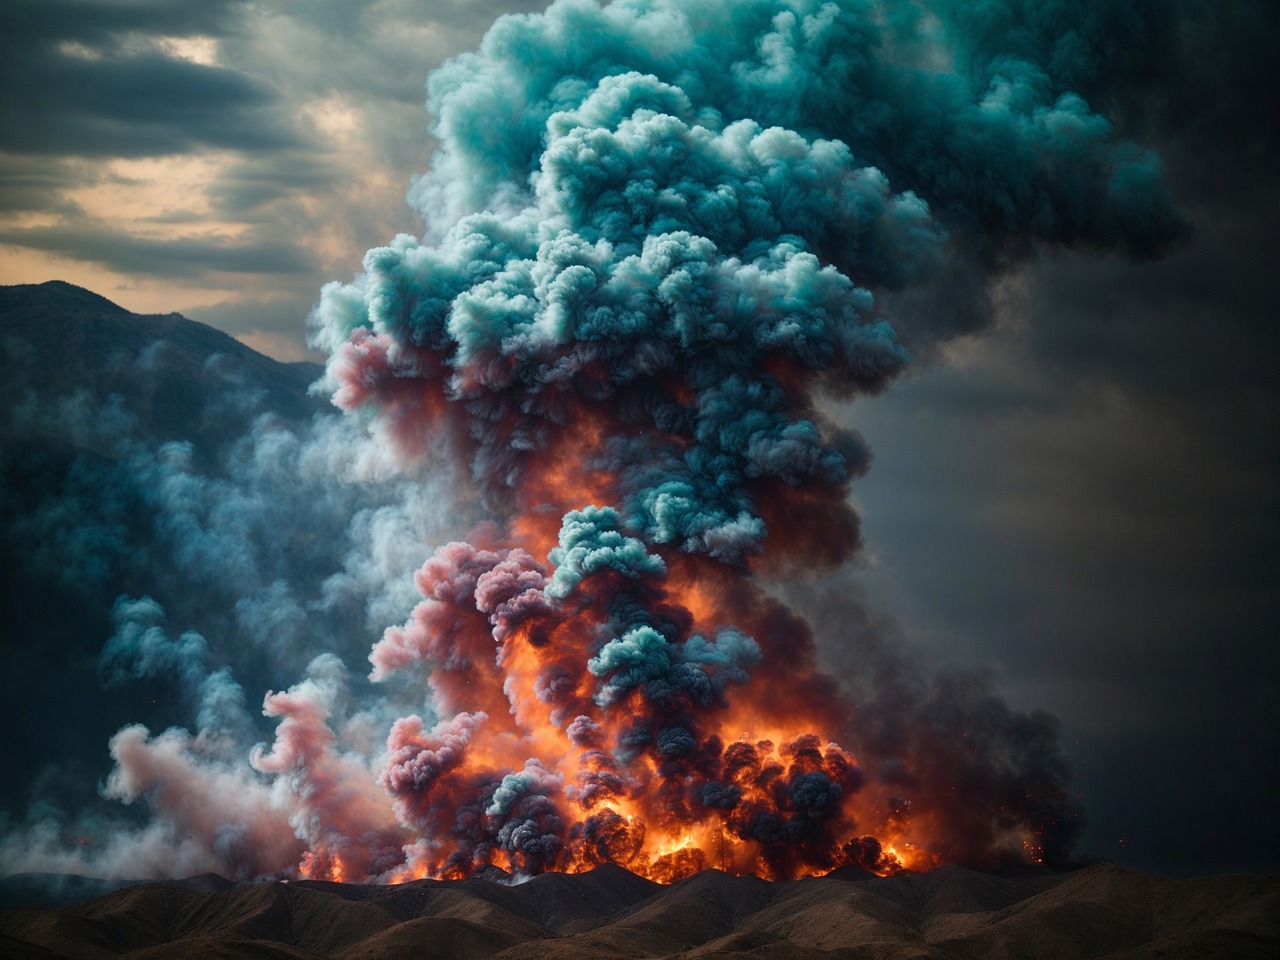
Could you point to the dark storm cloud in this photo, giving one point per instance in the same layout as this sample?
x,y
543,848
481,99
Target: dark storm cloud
x,y
86,79
140,105
1110,554
102,22
1132,327
309,122
1214,111
37,184
86,83
249,188
189,256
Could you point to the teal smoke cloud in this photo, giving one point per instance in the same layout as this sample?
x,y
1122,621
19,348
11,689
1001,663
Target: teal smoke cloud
x,y
657,232
693,212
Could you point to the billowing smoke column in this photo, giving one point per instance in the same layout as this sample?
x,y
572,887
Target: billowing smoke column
x,y
657,232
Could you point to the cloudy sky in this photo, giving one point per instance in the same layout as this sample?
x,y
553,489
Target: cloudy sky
x,y
219,159
1079,500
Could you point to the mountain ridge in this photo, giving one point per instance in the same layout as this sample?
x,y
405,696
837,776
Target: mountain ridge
x,y
1101,910
59,340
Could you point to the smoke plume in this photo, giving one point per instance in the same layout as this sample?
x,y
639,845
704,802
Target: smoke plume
x,y
658,234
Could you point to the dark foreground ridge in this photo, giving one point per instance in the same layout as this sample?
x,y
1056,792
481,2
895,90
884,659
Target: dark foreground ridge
x,y
1098,911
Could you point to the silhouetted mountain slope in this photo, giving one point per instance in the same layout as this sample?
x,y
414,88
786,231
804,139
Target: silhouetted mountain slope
x,y
180,379
1101,911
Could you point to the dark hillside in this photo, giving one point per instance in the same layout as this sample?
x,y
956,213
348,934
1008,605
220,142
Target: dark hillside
x,y
1100,911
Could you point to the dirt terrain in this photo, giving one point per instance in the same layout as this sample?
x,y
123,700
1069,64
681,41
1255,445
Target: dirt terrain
x,y
1098,911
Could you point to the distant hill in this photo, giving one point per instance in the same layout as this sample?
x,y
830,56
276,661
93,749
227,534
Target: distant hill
x,y
172,374
1100,911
